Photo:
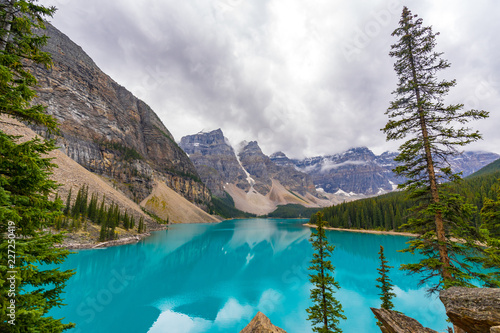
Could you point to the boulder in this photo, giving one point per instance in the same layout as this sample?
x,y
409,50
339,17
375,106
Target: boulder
x,y
261,324
473,309
395,322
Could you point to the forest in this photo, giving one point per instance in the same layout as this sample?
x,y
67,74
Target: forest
x,y
390,211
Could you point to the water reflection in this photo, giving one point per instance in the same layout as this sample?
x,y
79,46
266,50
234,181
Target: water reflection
x,y
214,278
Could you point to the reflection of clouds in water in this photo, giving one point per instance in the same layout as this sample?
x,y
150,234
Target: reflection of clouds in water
x,y
173,322
420,307
262,231
232,312
356,305
259,231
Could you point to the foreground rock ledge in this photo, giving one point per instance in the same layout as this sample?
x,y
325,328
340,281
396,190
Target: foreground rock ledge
x,y
395,322
473,309
261,324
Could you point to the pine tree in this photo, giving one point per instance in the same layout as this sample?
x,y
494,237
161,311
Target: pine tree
x,y
103,233
385,286
327,311
67,208
101,213
418,112
140,227
132,222
490,258
25,187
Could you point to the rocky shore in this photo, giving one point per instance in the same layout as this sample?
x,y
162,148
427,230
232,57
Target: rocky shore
x,y
381,232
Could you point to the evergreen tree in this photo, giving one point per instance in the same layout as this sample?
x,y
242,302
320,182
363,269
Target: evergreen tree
x,y
25,209
67,208
418,112
103,233
132,222
490,260
385,286
25,187
75,209
327,311
140,227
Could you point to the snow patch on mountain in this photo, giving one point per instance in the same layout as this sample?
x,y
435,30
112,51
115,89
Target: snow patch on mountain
x,y
329,165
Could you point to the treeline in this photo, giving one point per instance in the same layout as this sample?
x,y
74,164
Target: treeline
x,y
389,211
107,216
292,211
225,208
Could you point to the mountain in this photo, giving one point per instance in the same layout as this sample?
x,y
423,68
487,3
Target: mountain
x,y
357,170
263,170
215,161
360,171
116,137
389,211
110,132
253,181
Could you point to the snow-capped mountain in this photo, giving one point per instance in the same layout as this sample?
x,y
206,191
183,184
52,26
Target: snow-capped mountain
x,y
360,171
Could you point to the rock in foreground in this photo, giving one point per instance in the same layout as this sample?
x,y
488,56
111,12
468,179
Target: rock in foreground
x,y
261,324
395,322
472,309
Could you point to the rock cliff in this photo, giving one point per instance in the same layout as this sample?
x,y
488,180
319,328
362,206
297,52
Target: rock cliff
x,y
261,324
255,183
360,171
357,170
395,322
215,161
471,310
263,170
108,130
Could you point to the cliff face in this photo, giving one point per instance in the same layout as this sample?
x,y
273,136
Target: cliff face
x,y
360,171
108,130
356,170
263,170
255,183
215,161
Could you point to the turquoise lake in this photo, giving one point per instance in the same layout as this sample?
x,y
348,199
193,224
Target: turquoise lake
x,y
215,277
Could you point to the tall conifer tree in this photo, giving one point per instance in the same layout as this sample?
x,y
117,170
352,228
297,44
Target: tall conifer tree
x,y
327,311
490,260
385,286
25,187
419,115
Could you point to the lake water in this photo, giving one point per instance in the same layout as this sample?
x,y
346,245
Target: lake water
x,y
215,277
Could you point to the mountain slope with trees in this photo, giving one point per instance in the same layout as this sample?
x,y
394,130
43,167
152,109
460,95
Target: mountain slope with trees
x,y
389,211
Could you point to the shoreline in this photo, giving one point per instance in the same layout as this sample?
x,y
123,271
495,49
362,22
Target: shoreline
x,y
99,245
71,244
366,231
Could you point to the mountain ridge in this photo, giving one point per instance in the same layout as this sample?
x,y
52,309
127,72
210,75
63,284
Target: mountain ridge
x,y
254,182
360,171
109,131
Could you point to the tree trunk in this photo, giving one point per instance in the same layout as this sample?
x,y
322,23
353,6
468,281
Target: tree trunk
x,y
438,218
325,312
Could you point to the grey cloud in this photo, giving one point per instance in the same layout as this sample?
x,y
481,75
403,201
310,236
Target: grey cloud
x,y
302,78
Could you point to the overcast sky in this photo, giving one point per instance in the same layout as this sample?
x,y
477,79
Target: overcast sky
x,y
303,77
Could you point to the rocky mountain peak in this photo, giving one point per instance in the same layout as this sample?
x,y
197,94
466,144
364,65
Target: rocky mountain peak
x,y
250,148
206,143
215,161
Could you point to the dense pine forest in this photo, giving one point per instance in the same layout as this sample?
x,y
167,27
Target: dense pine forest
x,y
77,214
389,211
